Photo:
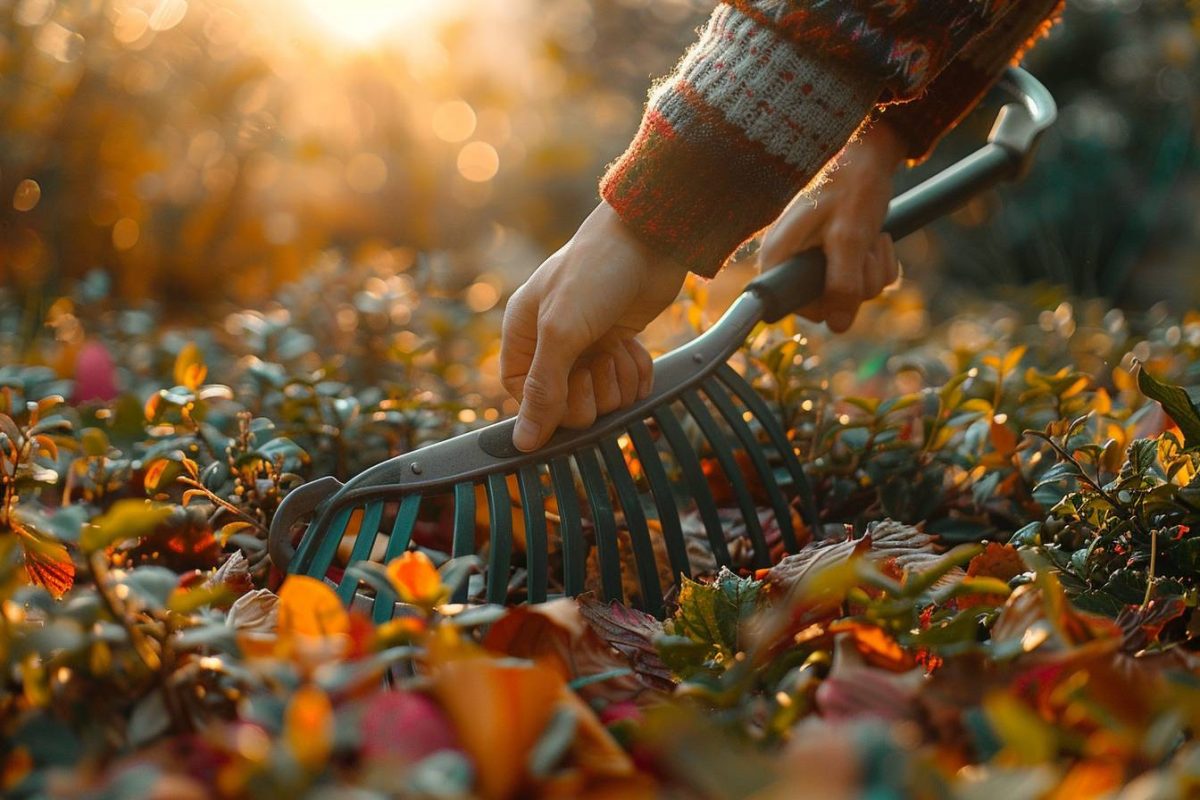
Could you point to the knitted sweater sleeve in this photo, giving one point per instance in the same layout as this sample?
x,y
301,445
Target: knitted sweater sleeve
x,y
770,92
923,121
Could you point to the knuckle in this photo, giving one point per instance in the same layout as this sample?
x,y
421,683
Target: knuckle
x,y
541,393
847,236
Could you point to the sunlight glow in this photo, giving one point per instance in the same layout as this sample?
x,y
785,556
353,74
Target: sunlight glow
x,y
364,22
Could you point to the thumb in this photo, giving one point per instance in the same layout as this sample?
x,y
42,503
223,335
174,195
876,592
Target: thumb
x,y
544,398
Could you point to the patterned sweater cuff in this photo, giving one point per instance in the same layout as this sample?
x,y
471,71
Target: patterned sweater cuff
x,y
744,123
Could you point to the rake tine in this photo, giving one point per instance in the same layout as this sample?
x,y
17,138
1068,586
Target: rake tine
x,y
724,453
570,527
635,520
367,533
534,507
758,407
464,530
402,529
664,499
783,514
693,474
326,549
605,523
500,549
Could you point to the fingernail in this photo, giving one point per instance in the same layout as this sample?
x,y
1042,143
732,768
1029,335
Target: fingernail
x,y
525,434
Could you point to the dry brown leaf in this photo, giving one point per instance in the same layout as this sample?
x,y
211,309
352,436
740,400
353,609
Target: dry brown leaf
x,y
631,633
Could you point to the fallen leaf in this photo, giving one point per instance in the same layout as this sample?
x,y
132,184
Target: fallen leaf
x,y
254,612
631,633
854,688
498,707
556,634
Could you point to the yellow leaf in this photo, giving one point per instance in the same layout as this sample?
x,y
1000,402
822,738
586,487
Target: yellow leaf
x,y
127,519
190,370
308,727
416,579
1012,358
308,607
1028,740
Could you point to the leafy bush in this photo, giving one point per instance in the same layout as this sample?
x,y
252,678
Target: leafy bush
x,y
1001,596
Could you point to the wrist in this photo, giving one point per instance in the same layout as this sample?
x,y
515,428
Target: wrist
x,y
886,145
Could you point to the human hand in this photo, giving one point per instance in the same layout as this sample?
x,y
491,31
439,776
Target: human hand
x,y
567,347
845,219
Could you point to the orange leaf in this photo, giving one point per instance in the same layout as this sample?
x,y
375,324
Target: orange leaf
x,y
1089,779
997,560
875,645
48,564
308,727
310,608
499,709
1003,438
416,579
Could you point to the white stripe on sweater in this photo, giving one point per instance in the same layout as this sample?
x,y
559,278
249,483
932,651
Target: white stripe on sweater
x,y
741,68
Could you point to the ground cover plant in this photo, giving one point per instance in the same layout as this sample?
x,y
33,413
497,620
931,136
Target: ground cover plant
x,y
1000,597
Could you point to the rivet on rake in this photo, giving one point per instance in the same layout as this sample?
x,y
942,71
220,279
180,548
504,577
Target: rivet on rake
x,y
698,357
416,468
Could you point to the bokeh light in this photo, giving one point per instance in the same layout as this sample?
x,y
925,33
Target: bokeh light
x,y
478,162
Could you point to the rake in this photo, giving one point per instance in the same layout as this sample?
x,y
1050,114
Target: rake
x,y
698,404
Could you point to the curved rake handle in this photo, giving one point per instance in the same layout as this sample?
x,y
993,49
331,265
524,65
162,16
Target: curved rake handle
x,y
298,504
1028,112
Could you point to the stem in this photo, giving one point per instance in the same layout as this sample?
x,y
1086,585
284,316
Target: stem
x,y
1153,563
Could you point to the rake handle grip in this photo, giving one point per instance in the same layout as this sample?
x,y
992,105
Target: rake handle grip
x,y
1030,110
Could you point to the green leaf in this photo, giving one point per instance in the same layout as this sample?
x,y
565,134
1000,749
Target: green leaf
x,y
1176,402
555,742
711,613
683,656
127,519
151,585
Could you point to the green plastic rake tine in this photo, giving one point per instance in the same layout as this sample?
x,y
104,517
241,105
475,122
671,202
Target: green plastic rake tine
x,y
635,521
664,499
783,445
783,514
501,538
367,533
326,548
697,484
402,528
464,530
534,506
723,450
605,524
569,526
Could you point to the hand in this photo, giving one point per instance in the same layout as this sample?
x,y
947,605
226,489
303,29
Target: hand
x,y
567,349
844,219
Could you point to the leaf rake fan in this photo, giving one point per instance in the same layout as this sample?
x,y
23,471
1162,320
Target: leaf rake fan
x,y
695,391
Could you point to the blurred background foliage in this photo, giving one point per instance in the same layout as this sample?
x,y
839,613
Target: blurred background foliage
x,y
197,152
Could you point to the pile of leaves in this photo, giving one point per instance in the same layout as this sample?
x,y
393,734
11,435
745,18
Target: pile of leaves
x,y
999,597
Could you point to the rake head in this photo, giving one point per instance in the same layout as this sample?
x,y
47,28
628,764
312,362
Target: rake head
x,y
625,495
